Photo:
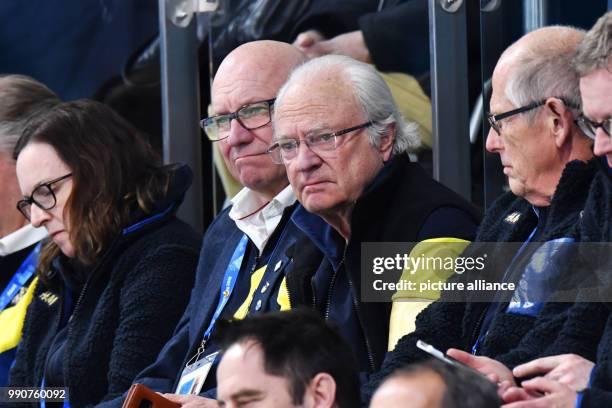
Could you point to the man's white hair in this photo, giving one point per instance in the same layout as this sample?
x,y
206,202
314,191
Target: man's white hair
x,y
371,92
545,70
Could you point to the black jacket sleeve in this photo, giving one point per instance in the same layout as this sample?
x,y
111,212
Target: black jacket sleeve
x,y
562,328
398,37
595,398
599,393
332,18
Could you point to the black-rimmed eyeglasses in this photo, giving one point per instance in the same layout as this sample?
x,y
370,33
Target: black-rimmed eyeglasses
x,y
589,127
494,120
42,196
251,116
286,149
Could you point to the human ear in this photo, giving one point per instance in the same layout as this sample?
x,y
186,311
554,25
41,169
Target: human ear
x,y
387,141
560,119
321,392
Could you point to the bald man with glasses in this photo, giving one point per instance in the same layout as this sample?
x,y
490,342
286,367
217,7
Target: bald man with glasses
x,y
246,255
548,162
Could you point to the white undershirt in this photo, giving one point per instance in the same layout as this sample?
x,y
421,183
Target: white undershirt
x,y
256,218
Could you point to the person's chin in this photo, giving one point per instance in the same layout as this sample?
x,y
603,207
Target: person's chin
x,y
67,249
517,188
317,202
259,180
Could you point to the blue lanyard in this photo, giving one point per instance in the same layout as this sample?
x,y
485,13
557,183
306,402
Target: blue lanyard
x,y
491,310
20,278
228,284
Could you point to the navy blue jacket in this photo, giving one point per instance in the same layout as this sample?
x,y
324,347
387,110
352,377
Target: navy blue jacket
x,y
219,244
126,311
402,204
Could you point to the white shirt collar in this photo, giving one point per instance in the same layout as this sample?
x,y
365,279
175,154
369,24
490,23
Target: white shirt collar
x,y
20,239
257,218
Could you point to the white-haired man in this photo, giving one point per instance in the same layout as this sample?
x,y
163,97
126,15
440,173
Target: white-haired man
x,y
563,379
339,134
546,157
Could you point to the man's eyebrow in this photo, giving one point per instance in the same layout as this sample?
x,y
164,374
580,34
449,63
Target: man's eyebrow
x,y
313,131
250,102
318,129
246,393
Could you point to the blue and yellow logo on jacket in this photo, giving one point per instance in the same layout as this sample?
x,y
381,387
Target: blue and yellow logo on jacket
x,y
11,321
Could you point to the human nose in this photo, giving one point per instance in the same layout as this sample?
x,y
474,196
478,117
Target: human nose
x,y
494,142
305,158
603,142
238,134
38,216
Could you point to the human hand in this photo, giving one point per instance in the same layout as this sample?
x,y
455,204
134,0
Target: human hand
x,y
569,369
514,394
553,394
308,39
192,401
493,370
350,44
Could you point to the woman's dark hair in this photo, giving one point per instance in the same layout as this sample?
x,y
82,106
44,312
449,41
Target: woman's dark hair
x,y
114,172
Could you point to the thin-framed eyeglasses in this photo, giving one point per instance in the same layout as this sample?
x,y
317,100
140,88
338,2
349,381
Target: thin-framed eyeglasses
x,y
494,120
250,116
589,127
286,149
42,196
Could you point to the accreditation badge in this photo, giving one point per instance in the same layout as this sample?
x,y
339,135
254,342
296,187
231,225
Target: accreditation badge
x,y
194,375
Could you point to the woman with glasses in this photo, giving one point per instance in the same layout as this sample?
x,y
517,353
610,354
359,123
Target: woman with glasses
x,y
118,268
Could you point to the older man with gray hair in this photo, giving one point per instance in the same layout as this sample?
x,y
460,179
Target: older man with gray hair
x,y
339,134
546,157
564,378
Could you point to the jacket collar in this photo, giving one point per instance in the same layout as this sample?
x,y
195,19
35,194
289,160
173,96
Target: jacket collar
x,y
326,238
180,181
570,196
164,209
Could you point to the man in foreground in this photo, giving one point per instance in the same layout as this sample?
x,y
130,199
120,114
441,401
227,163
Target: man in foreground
x,y
283,360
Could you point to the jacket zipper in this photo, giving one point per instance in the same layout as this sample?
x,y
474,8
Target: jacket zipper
x,y
314,293
283,277
333,281
91,277
355,304
475,336
367,341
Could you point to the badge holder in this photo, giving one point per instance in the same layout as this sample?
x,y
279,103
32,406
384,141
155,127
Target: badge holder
x,y
194,375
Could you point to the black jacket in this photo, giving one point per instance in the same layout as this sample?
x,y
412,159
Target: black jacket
x,y
597,227
399,206
220,241
512,338
128,307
